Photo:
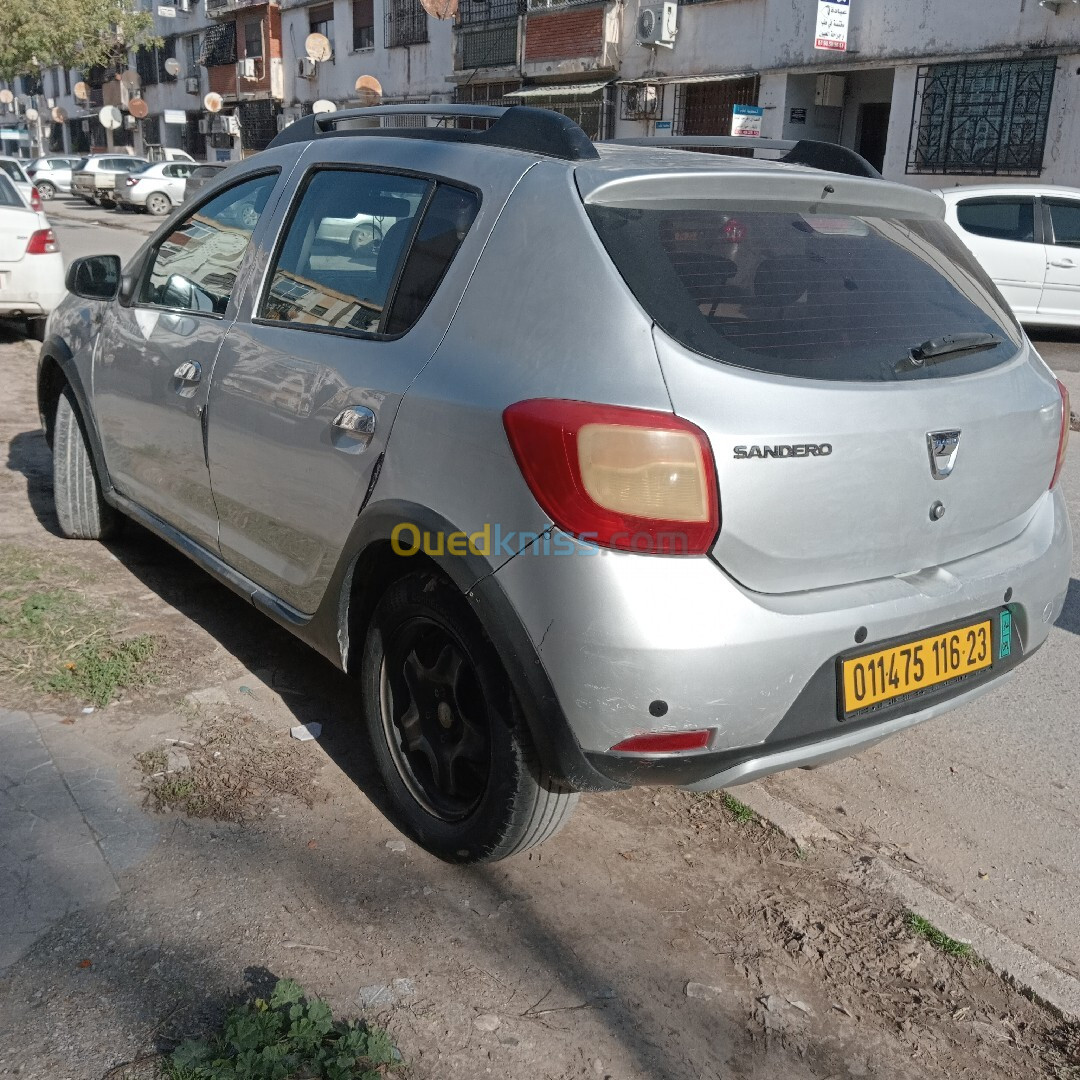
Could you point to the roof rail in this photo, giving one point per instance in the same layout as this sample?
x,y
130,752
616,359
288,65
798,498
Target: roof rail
x,y
809,152
519,127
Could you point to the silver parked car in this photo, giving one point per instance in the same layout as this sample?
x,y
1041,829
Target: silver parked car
x,y
157,188
607,465
98,176
52,175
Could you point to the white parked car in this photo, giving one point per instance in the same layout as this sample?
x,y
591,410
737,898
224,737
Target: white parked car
x,y
157,188
1027,237
52,175
167,153
12,168
31,267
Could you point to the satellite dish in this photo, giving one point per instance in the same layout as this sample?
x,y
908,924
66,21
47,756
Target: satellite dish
x,y
138,108
322,105
440,9
369,90
131,80
110,117
31,115
59,114
172,66
212,102
318,47
6,96
82,91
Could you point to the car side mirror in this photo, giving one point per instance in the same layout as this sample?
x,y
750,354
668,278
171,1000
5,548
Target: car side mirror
x,y
95,277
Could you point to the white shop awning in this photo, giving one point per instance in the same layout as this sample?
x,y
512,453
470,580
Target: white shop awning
x,y
560,90
669,79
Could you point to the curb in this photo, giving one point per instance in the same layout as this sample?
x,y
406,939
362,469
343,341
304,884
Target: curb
x,y
1045,983
107,223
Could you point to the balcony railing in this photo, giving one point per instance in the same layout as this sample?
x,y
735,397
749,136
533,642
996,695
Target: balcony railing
x,y
488,46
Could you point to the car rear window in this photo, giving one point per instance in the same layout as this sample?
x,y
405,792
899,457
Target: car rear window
x,y
808,295
8,195
13,170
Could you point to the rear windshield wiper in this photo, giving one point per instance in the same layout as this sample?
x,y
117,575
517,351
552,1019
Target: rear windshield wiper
x,y
934,350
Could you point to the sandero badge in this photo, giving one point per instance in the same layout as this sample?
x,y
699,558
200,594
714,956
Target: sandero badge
x,y
784,451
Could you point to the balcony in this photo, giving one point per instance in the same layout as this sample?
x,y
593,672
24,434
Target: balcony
x,y
486,35
218,8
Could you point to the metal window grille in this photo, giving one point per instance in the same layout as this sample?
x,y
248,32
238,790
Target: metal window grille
x,y
146,64
258,123
151,131
406,23
706,108
494,11
983,118
485,93
219,45
494,45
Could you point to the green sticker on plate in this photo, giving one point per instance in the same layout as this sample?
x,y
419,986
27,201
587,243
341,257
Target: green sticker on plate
x,y
1005,637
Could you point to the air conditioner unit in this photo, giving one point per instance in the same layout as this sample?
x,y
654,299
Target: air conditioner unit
x,y
204,125
249,68
305,68
192,85
184,6
642,101
658,25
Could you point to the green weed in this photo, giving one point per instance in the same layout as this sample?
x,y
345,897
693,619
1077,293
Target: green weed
x,y
949,946
289,1036
738,810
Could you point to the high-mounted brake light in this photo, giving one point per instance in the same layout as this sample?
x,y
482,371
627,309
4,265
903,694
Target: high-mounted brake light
x,y
1063,437
663,742
631,479
43,242
35,200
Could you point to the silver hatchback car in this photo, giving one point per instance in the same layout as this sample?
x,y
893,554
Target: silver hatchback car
x,y
598,466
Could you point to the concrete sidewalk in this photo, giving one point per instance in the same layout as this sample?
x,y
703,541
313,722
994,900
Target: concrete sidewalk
x,y
67,827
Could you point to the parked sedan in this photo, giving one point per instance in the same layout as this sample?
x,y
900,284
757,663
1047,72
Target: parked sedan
x,y
52,175
1027,237
96,180
31,267
157,188
12,168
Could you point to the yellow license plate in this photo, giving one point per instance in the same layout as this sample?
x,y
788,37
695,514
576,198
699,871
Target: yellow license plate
x,y
903,669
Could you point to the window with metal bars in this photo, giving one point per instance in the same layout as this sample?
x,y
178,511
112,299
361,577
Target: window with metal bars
x,y
219,45
705,108
593,113
406,23
484,93
488,45
982,118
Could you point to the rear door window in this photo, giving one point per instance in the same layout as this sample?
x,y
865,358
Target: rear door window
x,y
999,218
364,251
808,295
1065,220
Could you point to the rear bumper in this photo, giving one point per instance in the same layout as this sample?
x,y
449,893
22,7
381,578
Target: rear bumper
x,y
618,633
37,285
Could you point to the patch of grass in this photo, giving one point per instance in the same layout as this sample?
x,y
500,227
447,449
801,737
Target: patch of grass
x,y
100,670
920,927
289,1036
53,637
738,810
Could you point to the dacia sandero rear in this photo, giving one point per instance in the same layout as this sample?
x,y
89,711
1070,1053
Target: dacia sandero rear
x,y
597,466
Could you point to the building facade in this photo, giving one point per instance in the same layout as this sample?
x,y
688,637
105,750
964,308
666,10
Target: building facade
x,y
933,92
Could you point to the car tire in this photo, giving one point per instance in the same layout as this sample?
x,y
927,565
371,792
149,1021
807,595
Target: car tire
x,y
35,329
158,204
80,508
88,199
456,717
107,204
46,190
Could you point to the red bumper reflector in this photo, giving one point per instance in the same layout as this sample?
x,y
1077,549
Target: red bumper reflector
x,y
663,742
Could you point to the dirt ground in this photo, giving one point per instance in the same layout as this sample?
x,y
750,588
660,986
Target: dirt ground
x,y
658,936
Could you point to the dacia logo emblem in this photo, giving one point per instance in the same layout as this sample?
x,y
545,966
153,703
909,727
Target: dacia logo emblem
x,y
942,446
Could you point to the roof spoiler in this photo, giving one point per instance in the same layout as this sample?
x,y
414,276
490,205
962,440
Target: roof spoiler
x,y
538,131
830,157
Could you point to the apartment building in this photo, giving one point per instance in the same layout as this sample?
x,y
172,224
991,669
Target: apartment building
x,y
932,92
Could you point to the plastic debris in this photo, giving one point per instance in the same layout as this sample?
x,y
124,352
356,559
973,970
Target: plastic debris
x,y
397,845
487,1022
306,732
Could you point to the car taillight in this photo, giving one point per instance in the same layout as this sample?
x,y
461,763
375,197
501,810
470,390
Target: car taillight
x,y
663,742
630,479
131,181
35,199
1063,436
43,242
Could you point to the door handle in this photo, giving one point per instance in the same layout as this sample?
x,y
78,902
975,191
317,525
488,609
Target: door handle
x,y
356,423
189,372
1068,263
